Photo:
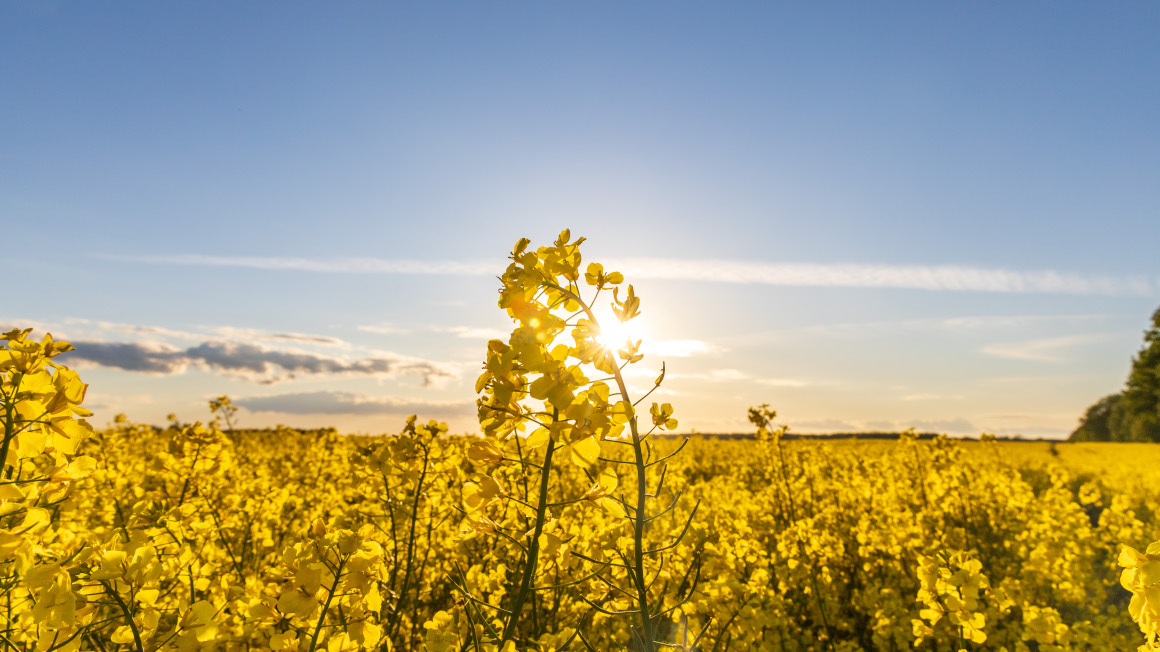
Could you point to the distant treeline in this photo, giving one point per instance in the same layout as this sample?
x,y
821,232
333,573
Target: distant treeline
x,y
1134,413
836,435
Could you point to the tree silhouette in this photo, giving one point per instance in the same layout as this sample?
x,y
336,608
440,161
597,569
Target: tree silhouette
x,y
1134,413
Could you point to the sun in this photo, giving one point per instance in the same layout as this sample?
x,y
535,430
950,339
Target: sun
x,y
614,333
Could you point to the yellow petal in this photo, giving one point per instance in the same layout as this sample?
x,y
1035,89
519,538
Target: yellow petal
x,y
585,451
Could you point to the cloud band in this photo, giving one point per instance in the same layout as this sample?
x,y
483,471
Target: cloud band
x,y
956,278
332,402
259,364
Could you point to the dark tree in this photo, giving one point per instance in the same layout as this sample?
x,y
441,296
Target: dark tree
x,y
1095,423
1133,414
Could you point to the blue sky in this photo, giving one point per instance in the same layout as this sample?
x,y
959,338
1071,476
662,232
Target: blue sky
x,y
870,216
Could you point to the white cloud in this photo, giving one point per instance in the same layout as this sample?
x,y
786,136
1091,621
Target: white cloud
x,y
679,348
922,277
350,403
1033,380
977,326
957,425
735,375
300,338
8,324
1006,322
643,370
728,374
784,382
857,275
96,329
470,333
328,265
382,329
822,426
713,376
66,328
155,331
1051,349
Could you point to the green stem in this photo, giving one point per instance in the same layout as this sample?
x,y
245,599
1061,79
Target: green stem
x,y
639,520
326,605
411,542
641,515
9,422
192,470
128,616
533,547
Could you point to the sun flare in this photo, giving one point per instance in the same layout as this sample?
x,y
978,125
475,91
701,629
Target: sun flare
x,y
614,333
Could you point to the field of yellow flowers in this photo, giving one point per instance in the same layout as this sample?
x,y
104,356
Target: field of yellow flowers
x,y
194,537
570,523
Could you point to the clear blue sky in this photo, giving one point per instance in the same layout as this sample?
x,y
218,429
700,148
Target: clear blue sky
x,y
869,215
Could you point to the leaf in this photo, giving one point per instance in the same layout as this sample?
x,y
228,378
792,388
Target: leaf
x,y
123,635
612,506
11,491
78,468
39,577
605,484
539,437
622,412
484,451
68,383
294,602
373,599
477,495
585,451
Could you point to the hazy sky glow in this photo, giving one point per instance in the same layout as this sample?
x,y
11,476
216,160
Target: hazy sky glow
x,y
870,216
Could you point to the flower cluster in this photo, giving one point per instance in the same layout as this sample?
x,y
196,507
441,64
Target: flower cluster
x,y
1141,576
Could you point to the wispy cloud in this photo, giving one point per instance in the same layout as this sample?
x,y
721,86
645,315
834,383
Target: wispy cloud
x,y
1050,349
979,327
350,403
965,325
822,426
383,329
713,376
732,376
1034,380
856,275
135,329
784,382
300,338
957,425
919,277
472,333
679,348
328,265
97,328
980,323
